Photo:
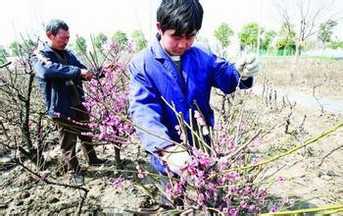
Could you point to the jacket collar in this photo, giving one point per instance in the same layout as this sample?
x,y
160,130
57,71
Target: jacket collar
x,y
158,51
47,48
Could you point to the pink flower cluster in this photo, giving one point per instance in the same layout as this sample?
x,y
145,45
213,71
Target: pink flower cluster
x,y
225,141
107,102
206,183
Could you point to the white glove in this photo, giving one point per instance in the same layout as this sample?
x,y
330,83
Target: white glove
x,y
247,66
176,158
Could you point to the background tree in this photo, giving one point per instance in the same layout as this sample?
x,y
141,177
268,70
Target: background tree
x,y
306,17
249,34
267,39
337,44
285,42
223,34
3,55
80,45
20,49
99,40
326,31
15,48
120,38
139,40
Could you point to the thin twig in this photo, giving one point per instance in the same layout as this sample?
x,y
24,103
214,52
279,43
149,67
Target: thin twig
x,y
328,154
306,143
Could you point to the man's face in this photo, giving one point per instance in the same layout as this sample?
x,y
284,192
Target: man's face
x,y
176,45
60,40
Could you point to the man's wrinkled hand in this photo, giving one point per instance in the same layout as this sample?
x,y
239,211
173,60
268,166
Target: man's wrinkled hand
x,y
176,158
247,66
86,74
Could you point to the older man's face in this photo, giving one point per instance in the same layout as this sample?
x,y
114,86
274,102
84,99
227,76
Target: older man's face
x,y
60,40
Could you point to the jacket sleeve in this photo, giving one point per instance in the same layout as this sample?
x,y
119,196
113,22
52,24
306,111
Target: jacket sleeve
x,y
78,83
225,75
146,111
46,69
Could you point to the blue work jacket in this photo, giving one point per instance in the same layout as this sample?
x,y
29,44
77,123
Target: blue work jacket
x,y
53,78
154,75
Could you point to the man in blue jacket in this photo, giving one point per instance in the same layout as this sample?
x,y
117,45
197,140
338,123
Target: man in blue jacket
x,y
173,69
59,75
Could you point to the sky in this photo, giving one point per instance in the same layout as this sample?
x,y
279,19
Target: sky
x,y
92,16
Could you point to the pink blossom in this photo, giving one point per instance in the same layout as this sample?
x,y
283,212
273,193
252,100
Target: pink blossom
x,y
233,212
140,172
118,183
280,179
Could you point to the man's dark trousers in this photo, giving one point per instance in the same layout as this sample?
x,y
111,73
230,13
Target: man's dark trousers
x,y
68,131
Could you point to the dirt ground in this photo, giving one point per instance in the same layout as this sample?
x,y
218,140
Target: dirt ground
x,y
313,176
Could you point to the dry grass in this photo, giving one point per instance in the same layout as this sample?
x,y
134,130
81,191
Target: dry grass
x,y
304,74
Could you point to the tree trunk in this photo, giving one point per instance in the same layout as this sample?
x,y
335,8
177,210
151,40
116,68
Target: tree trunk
x,y
117,156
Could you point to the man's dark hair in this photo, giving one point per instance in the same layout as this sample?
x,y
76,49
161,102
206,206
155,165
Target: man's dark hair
x,y
55,25
184,16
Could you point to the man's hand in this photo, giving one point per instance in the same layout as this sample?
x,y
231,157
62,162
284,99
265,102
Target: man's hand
x,y
86,74
176,158
247,66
